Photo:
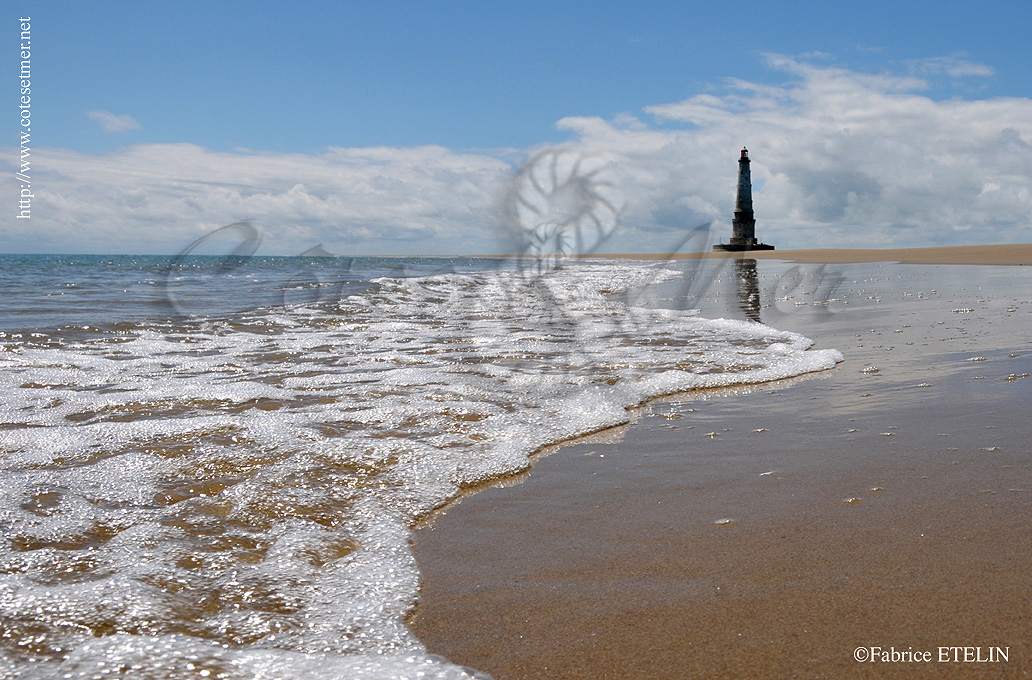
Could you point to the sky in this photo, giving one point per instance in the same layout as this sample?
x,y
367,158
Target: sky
x,y
438,128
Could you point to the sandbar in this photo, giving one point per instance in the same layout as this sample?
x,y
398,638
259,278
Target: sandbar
x,y
999,254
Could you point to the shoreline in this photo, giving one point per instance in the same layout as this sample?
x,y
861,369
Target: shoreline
x,y
1005,254
771,530
1016,254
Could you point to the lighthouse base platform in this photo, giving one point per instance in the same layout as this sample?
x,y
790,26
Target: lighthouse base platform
x,y
741,247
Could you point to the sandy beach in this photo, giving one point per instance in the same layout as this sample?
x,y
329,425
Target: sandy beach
x,y
1005,254
807,528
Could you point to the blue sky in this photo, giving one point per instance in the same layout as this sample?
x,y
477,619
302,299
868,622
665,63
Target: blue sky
x,y
235,97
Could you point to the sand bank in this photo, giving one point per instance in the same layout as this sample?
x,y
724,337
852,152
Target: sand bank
x,y
1009,254
771,531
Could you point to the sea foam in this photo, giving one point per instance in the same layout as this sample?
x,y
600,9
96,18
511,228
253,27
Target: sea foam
x,y
237,494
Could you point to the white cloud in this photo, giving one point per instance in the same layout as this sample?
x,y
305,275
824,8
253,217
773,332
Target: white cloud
x,y
954,66
840,158
112,123
158,198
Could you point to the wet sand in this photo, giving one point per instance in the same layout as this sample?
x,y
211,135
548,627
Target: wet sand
x,y
770,531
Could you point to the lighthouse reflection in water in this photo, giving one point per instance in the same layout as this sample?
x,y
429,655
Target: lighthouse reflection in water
x,y
747,283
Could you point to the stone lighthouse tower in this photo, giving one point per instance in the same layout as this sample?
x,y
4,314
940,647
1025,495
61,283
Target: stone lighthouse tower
x,y
743,227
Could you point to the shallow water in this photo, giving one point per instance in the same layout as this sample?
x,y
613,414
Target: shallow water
x,y
212,468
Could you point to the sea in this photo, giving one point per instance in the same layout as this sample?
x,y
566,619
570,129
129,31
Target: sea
x,y
210,467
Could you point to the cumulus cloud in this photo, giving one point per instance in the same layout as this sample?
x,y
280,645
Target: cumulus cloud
x,y
158,198
112,123
840,158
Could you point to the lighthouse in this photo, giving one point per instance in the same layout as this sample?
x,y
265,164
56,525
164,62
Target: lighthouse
x,y
743,226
